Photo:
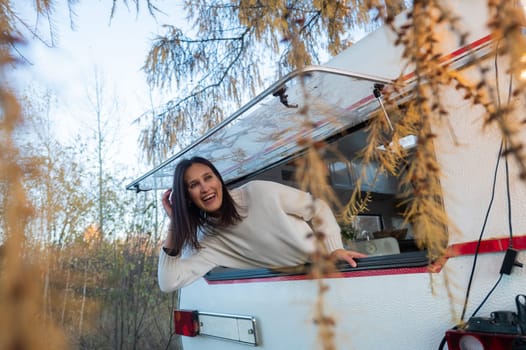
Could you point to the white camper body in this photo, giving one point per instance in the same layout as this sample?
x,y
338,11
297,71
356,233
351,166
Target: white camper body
x,y
388,307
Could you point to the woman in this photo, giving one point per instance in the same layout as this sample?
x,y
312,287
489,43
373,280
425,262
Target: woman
x,y
260,224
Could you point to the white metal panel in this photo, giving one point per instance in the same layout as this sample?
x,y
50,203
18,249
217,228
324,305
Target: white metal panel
x,y
469,168
230,327
395,312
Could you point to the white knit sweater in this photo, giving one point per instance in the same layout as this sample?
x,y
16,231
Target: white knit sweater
x,y
273,233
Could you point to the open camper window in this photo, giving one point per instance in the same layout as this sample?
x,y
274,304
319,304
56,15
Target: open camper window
x,y
379,231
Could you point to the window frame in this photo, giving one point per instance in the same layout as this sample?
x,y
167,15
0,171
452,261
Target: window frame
x,y
416,260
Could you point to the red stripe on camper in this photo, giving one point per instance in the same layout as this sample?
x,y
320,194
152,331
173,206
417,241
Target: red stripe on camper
x,y
487,246
477,44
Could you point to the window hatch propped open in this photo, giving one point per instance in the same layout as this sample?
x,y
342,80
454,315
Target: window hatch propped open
x,y
265,130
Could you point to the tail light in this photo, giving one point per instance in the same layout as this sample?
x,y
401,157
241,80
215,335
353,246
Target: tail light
x,y
186,322
465,340
235,328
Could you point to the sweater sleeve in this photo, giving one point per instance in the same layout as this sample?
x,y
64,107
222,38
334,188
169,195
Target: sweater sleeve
x,y
175,272
323,221
317,211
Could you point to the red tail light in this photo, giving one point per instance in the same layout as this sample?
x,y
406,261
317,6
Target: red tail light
x,y
186,322
464,340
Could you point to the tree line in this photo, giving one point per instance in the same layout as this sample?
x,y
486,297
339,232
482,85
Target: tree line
x,y
90,247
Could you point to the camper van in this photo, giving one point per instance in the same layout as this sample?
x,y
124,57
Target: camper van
x,y
396,298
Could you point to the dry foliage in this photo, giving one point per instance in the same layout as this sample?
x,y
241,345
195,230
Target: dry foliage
x,y
22,325
225,59
227,52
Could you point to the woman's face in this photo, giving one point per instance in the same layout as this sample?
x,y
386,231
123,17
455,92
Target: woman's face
x,y
204,188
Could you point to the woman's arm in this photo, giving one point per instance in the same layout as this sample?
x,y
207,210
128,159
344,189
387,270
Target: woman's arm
x,y
175,272
322,220
346,255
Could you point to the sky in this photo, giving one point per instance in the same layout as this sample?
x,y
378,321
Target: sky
x,y
117,48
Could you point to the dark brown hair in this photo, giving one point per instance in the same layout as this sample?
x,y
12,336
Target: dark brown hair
x,y
187,217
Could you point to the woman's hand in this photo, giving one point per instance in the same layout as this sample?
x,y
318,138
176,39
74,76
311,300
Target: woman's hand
x,y
166,203
346,255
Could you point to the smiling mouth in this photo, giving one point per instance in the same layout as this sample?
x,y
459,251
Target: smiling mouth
x,y
208,198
